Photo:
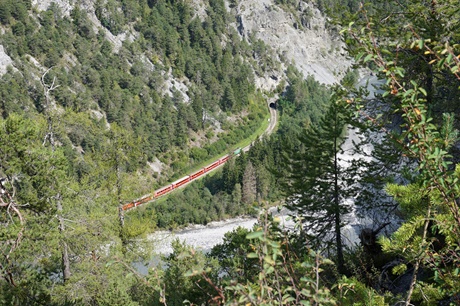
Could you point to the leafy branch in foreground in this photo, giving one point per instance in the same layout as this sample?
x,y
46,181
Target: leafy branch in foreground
x,y
283,277
430,238
280,268
279,275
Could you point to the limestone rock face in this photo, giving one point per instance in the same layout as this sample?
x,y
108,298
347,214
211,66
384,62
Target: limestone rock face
x,y
5,61
295,35
65,5
300,37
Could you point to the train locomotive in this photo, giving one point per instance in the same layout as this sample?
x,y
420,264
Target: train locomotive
x,y
180,182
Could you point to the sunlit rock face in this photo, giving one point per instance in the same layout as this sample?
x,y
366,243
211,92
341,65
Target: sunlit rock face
x,y
5,61
299,36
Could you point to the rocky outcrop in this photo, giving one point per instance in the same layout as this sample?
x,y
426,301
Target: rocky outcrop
x,y
65,6
5,61
299,36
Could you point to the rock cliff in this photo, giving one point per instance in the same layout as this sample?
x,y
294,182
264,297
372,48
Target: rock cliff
x,y
297,36
294,36
5,61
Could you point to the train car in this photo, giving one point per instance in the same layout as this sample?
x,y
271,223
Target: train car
x,y
197,174
163,191
144,200
128,206
224,159
181,182
211,166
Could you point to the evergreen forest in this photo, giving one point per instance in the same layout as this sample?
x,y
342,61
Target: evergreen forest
x,y
102,102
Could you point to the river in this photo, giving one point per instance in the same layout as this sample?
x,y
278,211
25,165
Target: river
x,y
205,237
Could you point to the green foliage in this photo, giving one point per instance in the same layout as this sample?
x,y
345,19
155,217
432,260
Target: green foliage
x,y
127,84
314,181
35,181
420,73
352,292
305,100
265,271
27,170
232,255
28,167
137,227
182,276
282,277
109,114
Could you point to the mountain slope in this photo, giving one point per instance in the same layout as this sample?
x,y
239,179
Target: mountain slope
x,y
133,62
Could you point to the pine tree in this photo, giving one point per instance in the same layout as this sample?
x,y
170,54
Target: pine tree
x,y
30,174
318,182
249,184
228,99
58,182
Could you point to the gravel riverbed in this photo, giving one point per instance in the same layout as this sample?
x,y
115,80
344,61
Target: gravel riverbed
x,y
204,237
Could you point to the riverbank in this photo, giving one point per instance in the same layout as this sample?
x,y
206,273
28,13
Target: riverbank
x,y
205,237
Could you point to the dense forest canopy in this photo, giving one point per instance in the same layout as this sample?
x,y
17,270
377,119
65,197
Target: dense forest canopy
x,y
127,86
87,120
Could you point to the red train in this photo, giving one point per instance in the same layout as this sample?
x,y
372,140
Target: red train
x,y
180,182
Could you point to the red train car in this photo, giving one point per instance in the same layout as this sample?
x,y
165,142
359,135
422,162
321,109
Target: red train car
x,y
211,166
143,200
224,159
181,182
197,174
163,191
128,206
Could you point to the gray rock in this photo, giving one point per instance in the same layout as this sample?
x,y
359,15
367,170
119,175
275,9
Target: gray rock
x,y
5,61
302,38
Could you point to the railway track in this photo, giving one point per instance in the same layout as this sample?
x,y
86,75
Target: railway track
x,y
184,181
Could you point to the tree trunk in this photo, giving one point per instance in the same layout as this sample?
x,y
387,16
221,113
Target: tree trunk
x,y
417,262
50,137
338,233
65,248
121,214
249,184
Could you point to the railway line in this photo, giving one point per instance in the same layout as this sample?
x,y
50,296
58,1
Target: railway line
x,y
200,173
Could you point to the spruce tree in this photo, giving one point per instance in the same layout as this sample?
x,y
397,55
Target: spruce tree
x,y
249,184
318,182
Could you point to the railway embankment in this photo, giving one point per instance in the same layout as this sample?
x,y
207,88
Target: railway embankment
x,y
267,127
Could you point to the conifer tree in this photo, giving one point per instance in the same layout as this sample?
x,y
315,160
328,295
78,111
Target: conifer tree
x,y
29,174
318,182
58,183
249,184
